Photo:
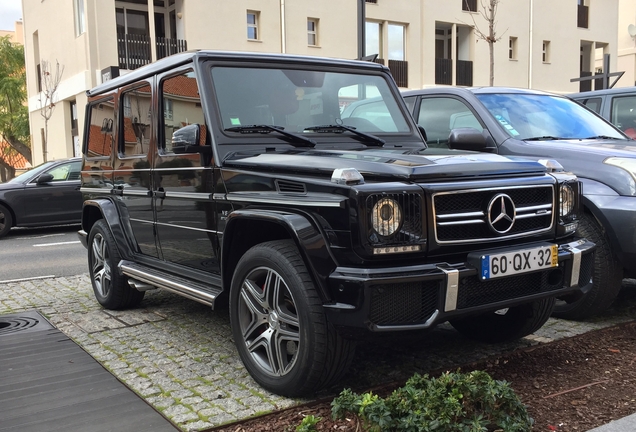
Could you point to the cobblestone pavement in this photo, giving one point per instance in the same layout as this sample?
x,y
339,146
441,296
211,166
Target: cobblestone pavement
x,y
180,357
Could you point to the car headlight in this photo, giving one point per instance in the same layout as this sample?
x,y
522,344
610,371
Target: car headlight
x,y
567,200
386,217
628,164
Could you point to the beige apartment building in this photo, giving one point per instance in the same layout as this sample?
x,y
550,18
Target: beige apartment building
x,y
541,44
627,43
16,35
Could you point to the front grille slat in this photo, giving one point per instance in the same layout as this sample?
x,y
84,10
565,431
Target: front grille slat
x,y
462,216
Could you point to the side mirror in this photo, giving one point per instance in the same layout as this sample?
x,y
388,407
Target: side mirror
x,y
467,139
45,178
188,140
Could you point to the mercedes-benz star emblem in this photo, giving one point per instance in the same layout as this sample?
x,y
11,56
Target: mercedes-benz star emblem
x,y
501,213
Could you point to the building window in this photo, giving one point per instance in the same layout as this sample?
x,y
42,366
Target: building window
x,y
252,25
80,17
512,48
373,42
396,42
469,5
312,31
546,52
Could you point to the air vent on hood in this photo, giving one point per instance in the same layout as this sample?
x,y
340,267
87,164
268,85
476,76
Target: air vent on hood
x,y
285,186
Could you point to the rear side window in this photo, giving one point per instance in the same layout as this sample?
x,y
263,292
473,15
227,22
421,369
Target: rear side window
x,y
99,137
136,116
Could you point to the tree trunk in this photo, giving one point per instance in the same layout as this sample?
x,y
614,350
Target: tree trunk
x,y
492,39
21,148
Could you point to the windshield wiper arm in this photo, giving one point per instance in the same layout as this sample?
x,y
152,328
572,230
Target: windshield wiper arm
x,y
604,137
293,139
543,138
338,128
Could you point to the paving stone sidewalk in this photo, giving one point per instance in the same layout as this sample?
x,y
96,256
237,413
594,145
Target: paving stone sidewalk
x,y
180,357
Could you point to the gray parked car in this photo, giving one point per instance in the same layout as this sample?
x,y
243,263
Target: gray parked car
x,y
43,196
528,123
615,105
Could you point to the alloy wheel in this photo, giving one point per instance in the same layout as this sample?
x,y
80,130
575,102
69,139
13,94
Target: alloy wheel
x,y
101,265
269,321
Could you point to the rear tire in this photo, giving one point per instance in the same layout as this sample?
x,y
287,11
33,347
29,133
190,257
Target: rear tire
x,y
279,325
607,276
109,285
515,323
6,221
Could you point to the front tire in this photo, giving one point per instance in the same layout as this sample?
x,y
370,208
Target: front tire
x,y
6,221
109,285
506,324
279,325
607,276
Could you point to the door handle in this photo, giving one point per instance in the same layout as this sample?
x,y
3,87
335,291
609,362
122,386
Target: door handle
x,y
160,194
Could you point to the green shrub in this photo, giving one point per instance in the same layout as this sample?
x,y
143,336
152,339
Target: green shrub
x,y
308,424
455,401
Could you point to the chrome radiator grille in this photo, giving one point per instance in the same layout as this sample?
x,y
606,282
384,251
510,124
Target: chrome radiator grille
x,y
480,215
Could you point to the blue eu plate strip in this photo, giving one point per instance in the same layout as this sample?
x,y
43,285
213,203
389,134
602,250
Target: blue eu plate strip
x,y
485,267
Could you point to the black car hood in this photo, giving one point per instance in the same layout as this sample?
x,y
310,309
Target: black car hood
x,y
385,164
10,186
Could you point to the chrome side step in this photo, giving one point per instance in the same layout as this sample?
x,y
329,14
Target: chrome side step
x,y
145,278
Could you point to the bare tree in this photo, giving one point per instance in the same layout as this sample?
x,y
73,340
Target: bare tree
x,y
50,81
489,12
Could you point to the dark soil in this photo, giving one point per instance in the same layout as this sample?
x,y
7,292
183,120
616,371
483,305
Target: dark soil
x,y
572,384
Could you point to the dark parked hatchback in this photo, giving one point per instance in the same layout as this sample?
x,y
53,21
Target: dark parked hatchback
x,y
43,196
519,122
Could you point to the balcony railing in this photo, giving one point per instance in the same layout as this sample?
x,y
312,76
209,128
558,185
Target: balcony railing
x,y
166,47
464,73
582,19
443,71
134,50
400,71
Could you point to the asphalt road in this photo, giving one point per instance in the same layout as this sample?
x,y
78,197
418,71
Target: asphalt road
x,y
41,252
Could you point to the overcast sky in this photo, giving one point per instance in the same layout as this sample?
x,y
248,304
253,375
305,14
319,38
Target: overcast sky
x,y
10,12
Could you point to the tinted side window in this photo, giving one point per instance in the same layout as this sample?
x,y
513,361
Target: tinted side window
x,y
66,172
180,106
438,116
99,142
135,106
623,114
592,103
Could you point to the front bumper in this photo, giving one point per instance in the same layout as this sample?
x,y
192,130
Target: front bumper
x,y
420,297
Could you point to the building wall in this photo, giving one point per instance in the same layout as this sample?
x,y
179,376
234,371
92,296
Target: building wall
x,y
626,43
282,27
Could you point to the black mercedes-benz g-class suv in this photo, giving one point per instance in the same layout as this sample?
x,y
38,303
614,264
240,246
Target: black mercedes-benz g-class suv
x,y
235,178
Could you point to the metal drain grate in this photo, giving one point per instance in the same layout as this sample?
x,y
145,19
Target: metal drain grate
x,y
23,322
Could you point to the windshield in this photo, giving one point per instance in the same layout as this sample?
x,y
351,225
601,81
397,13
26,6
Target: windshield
x,y
546,117
305,102
30,173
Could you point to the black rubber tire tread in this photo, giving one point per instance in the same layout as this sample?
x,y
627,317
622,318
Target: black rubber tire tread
x,y
121,294
8,221
518,322
607,275
330,356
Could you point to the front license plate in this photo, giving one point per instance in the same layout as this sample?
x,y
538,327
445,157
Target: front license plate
x,y
521,261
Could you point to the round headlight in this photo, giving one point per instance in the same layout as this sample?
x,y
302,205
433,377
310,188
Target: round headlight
x,y
386,217
566,200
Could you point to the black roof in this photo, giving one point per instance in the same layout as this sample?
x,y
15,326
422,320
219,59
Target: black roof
x,y
190,56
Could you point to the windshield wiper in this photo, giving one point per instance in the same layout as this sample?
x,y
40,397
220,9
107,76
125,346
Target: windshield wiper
x,y
544,138
293,139
604,137
339,128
